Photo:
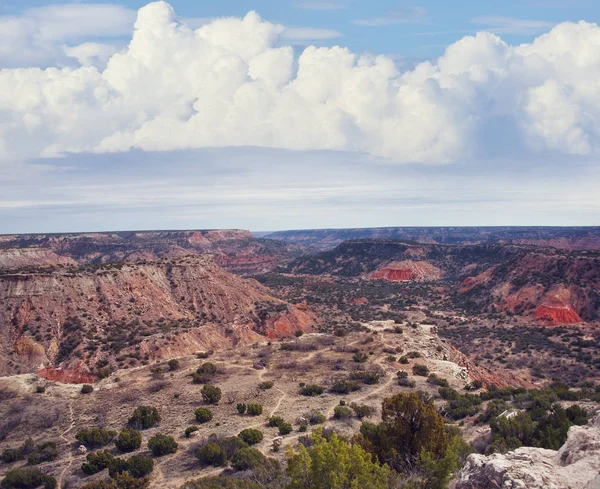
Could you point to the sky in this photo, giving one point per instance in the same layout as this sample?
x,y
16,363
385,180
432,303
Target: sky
x,y
297,114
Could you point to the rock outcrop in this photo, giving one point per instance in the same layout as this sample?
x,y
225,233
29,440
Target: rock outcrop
x,y
407,271
51,320
575,466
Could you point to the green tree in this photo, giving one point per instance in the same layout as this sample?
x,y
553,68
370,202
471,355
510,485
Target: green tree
x,y
128,440
95,437
251,436
211,394
334,464
203,415
144,417
247,459
27,478
212,454
161,445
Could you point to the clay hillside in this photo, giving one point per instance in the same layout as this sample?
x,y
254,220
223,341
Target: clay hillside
x,y
569,238
88,319
235,250
544,283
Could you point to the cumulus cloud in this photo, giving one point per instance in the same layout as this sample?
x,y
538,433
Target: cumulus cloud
x,y
41,35
233,82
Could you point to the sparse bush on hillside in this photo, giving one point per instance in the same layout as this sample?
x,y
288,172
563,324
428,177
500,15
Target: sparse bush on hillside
x,y
144,417
128,440
191,429
95,437
254,409
342,412
161,445
211,394
344,387
285,429
174,365
27,478
203,415
44,452
87,389
247,459
241,408
212,454
420,370
312,390
266,385
97,462
362,410
251,436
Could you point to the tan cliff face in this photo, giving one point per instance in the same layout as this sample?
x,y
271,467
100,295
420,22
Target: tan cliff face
x,y
75,318
235,250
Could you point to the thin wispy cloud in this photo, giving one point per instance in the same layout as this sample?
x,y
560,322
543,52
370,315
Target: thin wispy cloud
x,y
319,5
309,34
405,15
510,25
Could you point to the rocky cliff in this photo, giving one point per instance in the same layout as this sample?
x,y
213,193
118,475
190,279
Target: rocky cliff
x,y
567,238
236,250
548,285
79,318
575,466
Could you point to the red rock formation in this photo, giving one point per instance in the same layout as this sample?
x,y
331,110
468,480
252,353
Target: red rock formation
x,y
407,270
558,315
67,376
360,301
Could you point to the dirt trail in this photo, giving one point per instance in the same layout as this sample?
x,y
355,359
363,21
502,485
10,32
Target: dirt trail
x,y
68,442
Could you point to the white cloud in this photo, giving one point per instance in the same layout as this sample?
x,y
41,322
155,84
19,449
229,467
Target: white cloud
x,y
232,83
309,34
510,25
39,35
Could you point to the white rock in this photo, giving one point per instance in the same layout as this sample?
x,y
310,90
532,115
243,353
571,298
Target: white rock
x,y
575,466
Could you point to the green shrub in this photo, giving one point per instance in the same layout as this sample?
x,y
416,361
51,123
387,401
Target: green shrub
x,y
251,436
362,410
207,368
435,380
285,429
211,394
241,408
44,452
128,440
403,360
190,429
161,445
97,462
231,444
144,417
254,409
95,437
316,417
266,385
27,478
212,454
312,390
87,388
40,389
139,465
275,421
10,455
342,412
344,387
203,415
247,459
174,365
222,482
421,370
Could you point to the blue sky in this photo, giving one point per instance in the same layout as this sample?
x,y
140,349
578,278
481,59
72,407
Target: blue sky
x,y
433,113
412,30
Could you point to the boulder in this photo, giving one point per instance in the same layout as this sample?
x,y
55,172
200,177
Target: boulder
x,y
575,466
